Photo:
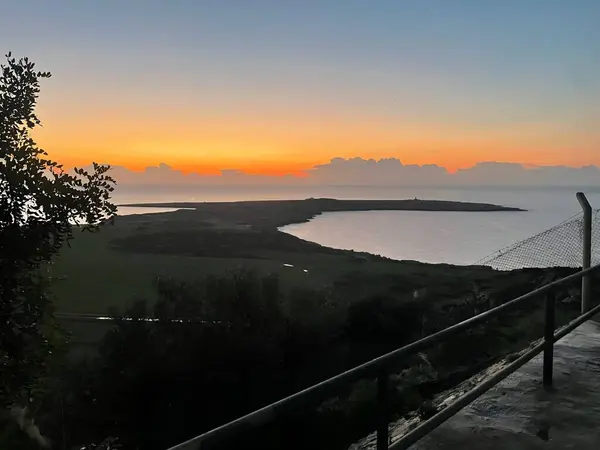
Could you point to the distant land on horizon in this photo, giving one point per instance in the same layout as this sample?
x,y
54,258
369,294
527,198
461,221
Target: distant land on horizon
x,y
278,213
370,172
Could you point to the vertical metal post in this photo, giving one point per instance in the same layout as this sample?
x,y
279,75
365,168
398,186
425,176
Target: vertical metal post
x,y
382,405
549,340
587,252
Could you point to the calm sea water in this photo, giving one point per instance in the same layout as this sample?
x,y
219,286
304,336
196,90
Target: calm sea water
x,y
448,237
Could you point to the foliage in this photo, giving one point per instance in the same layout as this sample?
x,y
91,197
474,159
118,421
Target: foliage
x,y
222,346
214,349
40,204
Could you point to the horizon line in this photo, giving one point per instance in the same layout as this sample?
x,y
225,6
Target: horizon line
x,y
306,172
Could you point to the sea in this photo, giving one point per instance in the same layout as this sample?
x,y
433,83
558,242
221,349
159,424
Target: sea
x,y
460,238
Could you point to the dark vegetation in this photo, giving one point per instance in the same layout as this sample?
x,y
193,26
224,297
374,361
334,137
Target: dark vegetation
x,y
243,314
247,341
39,204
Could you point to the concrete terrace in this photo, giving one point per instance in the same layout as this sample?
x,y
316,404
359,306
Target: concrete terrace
x,y
519,414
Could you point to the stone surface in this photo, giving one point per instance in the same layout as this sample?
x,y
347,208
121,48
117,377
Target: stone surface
x,y
519,414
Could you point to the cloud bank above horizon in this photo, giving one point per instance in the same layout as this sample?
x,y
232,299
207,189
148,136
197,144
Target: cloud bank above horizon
x,y
372,172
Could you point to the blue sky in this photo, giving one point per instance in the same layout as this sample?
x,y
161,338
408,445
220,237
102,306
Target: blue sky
x,y
475,65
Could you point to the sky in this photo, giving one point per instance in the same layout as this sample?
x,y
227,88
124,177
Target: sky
x,y
278,87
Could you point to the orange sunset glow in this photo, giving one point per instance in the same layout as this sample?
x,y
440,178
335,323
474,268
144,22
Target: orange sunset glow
x,y
280,147
271,96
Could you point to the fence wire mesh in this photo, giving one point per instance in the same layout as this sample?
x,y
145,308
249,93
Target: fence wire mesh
x,y
560,246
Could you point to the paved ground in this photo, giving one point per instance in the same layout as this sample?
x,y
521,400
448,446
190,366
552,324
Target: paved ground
x,y
519,414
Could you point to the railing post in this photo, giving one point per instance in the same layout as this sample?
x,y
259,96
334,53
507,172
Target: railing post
x,y
587,252
549,340
382,406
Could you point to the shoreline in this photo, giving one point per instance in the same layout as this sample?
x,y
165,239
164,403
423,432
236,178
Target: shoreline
x,y
274,214
217,237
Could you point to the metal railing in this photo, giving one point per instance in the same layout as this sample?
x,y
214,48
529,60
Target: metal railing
x,y
380,367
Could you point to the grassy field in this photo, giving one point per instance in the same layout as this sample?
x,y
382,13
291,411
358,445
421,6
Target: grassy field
x,y
95,272
120,263
92,275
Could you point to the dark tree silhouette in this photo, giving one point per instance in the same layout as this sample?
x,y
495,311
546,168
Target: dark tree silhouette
x,y
40,205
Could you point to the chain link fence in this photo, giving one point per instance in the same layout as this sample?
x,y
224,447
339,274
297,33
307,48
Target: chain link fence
x,y
560,246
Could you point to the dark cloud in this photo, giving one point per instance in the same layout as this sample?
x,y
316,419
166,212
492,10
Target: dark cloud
x,y
386,172
510,174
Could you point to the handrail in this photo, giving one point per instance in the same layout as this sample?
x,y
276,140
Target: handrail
x,y
433,422
377,367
